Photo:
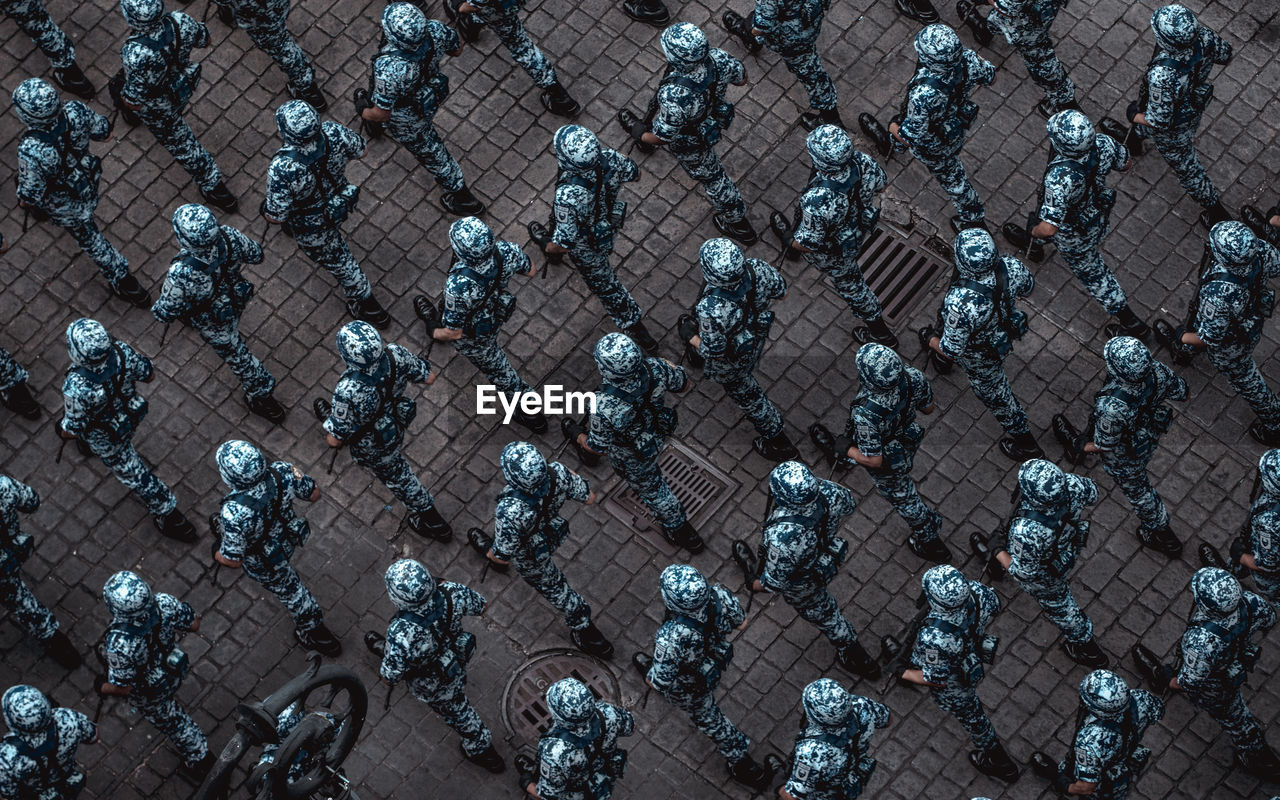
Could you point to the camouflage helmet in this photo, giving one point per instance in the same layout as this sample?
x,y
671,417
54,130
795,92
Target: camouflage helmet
x,y
26,709
1071,133
36,102
684,589
240,464
472,240
1269,469
141,14
570,702
297,122
1233,244
524,468
945,587
409,584
975,252
879,368
793,485
576,148
1104,693
87,342
1216,591
1042,483
195,226
685,45
830,148
618,358
827,704
404,25
127,596
938,47
360,345
722,263
1127,359
1175,27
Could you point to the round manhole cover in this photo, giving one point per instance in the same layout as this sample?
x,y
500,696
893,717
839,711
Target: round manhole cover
x,y
524,711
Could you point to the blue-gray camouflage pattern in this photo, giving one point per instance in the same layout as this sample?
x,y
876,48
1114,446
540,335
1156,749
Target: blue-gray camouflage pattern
x,y
264,21
1099,748
11,372
506,25
106,422
567,772
1264,544
34,20
822,769
480,314
1027,31
790,28
23,777
26,611
286,723
528,531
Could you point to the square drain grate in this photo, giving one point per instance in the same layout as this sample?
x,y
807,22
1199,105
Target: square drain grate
x,y
698,485
901,270
524,707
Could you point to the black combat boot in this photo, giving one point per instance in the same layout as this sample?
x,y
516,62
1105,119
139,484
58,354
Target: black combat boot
x,y
591,641
876,331
1261,763
371,311
1041,765
428,312
775,448
466,24
919,10
959,225
267,407
642,662
834,450
746,561
526,770
59,648
461,203
72,79
221,197
487,758
175,526
319,639
634,126
685,536
1259,224
1046,107
1149,666
650,12
375,643
817,117
17,398
1018,236
976,23
1171,338
737,26
751,773
1264,435
557,100
224,15
1214,214
129,290
857,660
571,430
1086,654
1127,324
778,224
311,95
1021,447
981,547
1071,439
1209,557
877,133
482,543
430,524
1162,541
535,423
1122,133
197,771
941,364
740,231
995,763
687,328
643,339
321,408
934,549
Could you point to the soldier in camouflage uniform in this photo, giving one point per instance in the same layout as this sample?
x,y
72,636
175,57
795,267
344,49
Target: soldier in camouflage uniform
x,y
34,20
948,655
733,322
371,414
690,653
882,436
1232,305
801,551
631,424
688,116
264,21
790,28
1025,24
260,531
838,213
477,305
407,91
579,758
1129,415
15,393
38,757
156,81
1257,550
102,408
145,665
427,646
1217,656
308,194
16,547
528,529
1042,542
502,16
205,289
1176,91
832,758
58,176
980,322
586,216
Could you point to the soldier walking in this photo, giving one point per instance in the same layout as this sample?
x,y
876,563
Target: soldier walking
x,y
832,759
34,20
38,756
264,21
579,757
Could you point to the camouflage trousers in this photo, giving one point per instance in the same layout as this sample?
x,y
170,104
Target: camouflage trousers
x,y
900,490
225,340
1080,250
964,705
707,717
425,144
846,275
283,581
1130,474
1178,146
395,473
1238,366
113,266
29,613
703,165
816,605
451,703
11,372
1111,788
35,21
1059,605
173,721
122,459
273,38
491,359
645,478
990,384
175,135
1267,586
806,65
1045,69
547,579
950,174
328,248
510,31
749,395
1227,707
601,278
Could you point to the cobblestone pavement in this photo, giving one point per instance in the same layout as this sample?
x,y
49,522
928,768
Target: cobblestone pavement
x,y
87,527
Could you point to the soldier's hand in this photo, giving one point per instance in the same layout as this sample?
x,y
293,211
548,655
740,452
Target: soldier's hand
x,y
195,625
591,497
467,8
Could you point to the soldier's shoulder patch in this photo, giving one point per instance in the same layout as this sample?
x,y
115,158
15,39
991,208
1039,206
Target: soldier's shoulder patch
x,y
341,410
564,212
932,655
804,771
661,652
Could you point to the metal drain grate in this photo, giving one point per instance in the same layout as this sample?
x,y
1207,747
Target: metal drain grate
x,y
524,711
698,485
900,270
